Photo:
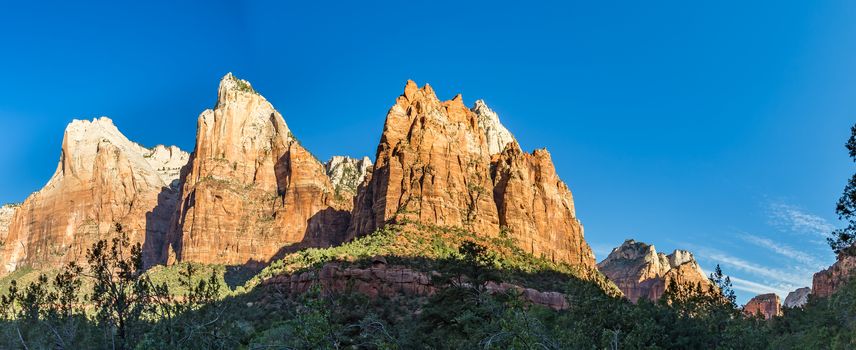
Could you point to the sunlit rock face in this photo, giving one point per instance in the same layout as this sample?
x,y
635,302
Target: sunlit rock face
x,y
251,191
6,213
442,163
826,282
797,298
102,179
767,305
641,272
347,174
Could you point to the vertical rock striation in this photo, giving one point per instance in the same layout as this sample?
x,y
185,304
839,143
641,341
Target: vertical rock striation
x,y
826,282
251,189
441,163
641,272
102,179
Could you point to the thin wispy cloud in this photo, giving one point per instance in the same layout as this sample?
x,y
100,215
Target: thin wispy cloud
x,y
797,220
801,257
757,288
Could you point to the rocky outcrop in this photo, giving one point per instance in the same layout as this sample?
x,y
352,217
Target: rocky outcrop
x,y
6,213
767,305
251,192
826,282
102,179
641,272
347,174
439,163
381,280
496,135
797,298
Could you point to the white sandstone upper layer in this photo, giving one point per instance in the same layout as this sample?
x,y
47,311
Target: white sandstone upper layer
x,y
497,135
347,173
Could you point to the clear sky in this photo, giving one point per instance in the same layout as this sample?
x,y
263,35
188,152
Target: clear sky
x,y
716,127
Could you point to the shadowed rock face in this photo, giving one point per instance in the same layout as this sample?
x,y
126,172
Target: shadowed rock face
x,y
444,164
640,272
826,282
251,189
102,178
767,305
797,298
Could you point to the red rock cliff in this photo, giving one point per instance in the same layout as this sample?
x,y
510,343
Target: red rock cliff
x,y
102,178
251,190
434,165
826,282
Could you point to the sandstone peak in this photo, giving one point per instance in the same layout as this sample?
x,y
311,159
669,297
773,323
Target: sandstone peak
x,y
102,178
767,305
434,165
496,133
251,190
641,272
347,173
797,298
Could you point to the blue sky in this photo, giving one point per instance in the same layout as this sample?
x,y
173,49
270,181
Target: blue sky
x,y
715,127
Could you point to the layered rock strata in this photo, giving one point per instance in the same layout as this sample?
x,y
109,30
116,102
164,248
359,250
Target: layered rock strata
x,y
251,192
766,305
641,272
381,280
102,179
444,164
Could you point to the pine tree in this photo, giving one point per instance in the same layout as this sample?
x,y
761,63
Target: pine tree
x,y
842,240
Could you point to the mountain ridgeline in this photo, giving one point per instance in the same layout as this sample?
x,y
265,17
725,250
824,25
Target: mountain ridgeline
x,y
250,193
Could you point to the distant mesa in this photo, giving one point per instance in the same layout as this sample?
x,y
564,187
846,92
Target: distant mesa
x,y
641,272
766,305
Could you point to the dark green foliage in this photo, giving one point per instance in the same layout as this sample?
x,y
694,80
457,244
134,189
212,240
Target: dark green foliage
x,y
842,240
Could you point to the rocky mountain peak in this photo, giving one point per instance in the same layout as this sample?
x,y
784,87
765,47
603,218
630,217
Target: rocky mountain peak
x,y
251,189
102,178
347,173
434,166
496,133
641,272
797,298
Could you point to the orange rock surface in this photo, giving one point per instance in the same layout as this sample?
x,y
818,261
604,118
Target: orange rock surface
x,y
434,166
251,192
768,305
102,178
826,282
641,272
